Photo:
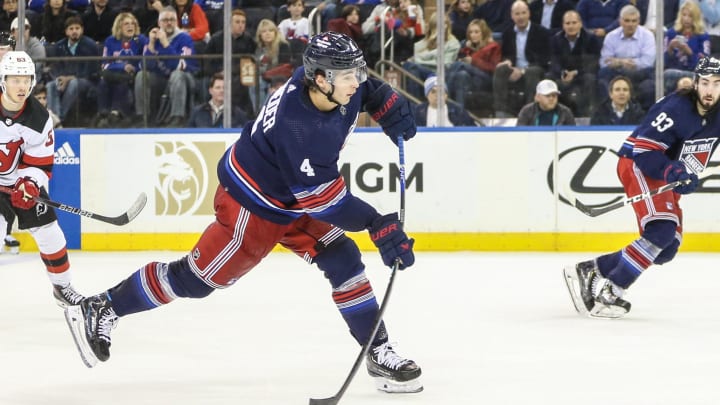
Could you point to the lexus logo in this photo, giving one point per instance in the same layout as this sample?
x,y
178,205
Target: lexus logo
x,y
586,162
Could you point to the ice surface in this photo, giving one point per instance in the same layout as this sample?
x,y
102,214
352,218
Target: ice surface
x,y
487,329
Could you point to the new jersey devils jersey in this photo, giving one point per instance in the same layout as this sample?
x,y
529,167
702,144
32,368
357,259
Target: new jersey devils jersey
x,y
27,144
673,130
285,163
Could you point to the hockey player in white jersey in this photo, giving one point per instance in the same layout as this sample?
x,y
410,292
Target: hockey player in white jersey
x,y
27,146
7,44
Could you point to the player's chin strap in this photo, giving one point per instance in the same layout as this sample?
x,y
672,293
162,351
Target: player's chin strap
x,y
329,94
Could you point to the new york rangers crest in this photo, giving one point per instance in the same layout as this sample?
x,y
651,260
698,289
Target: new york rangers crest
x,y
696,153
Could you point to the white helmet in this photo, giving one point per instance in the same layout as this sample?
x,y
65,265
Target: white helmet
x,y
17,63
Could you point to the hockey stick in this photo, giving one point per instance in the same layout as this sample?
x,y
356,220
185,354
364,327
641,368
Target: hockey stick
x,y
122,219
366,347
603,209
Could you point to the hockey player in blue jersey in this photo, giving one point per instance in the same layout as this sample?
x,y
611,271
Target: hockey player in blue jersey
x,y
674,142
280,184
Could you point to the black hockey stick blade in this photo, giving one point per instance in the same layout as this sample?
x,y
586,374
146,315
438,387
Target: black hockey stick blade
x,y
594,211
119,220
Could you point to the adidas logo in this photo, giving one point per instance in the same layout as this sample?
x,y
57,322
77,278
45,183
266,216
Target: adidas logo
x,y
65,155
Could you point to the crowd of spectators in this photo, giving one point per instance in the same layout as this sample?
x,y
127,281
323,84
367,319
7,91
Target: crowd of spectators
x,y
115,63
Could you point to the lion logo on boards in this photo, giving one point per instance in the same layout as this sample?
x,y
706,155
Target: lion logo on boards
x,y
185,183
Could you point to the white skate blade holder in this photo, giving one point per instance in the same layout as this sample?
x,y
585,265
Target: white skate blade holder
x,y
398,387
76,323
602,311
599,311
573,285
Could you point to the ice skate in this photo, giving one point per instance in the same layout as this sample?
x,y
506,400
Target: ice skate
x,y
12,245
391,372
593,295
90,324
66,296
608,300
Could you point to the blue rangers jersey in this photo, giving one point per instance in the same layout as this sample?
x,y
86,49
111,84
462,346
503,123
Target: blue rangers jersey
x,y
285,163
673,130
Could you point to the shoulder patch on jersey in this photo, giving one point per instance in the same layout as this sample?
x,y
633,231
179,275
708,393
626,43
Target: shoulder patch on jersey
x,y
35,116
696,153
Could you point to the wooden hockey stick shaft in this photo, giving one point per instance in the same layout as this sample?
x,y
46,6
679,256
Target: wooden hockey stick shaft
x,y
599,210
366,347
119,220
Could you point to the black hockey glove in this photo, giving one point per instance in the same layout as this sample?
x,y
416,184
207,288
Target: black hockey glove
x,y
391,110
675,171
387,234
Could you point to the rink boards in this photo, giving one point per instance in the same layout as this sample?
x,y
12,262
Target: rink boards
x,y
483,189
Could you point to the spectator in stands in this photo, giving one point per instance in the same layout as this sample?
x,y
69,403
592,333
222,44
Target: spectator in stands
x,y
296,26
174,77
349,24
549,13
148,14
210,114
545,110
496,13
526,58
241,43
214,12
474,68
40,93
619,108
33,47
8,13
115,97
74,81
191,19
38,6
425,57
404,19
426,114
685,43
460,14
711,17
574,64
272,55
53,20
601,16
98,20
629,50
409,27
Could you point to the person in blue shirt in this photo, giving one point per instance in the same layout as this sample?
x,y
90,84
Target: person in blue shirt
x,y
176,76
674,142
115,98
280,184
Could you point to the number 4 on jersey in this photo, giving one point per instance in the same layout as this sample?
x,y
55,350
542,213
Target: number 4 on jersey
x,y
306,168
